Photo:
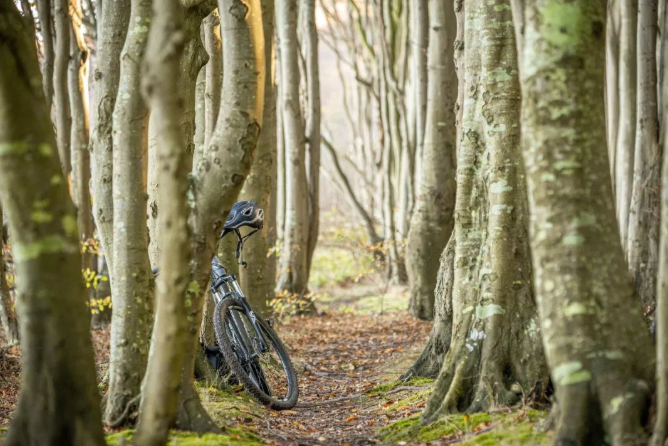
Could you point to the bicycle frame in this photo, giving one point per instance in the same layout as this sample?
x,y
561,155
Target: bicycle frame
x,y
224,285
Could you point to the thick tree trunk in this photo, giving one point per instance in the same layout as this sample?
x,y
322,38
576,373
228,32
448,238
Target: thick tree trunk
x,y
645,212
259,280
599,352
77,75
431,223
495,335
58,402
218,176
293,270
62,25
312,118
626,131
8,320
160,389
131,287
113,26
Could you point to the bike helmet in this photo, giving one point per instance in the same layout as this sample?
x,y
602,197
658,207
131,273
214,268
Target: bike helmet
x,y
244,213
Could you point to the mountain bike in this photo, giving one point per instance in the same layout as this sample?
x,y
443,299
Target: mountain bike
x,y
251,348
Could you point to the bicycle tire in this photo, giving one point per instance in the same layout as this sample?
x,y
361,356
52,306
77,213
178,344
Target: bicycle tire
x,y
250,385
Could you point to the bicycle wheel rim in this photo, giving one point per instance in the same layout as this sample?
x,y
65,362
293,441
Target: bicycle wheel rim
x,y
268,371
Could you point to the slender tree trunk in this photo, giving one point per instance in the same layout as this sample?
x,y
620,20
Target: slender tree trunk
x,y
293,270
599,352
259,280
45,19
218,176
626,131
160,390
612,83
8,320
431,223
645,211
312,118
62,25
77,82
495,335
214,73
58,402
131,287
113,26
420,30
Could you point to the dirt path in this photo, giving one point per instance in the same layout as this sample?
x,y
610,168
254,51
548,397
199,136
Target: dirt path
x,y
338,357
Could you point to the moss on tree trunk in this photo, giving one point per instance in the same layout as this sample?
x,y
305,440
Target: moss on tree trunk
x,y
495,354
598,350
58,402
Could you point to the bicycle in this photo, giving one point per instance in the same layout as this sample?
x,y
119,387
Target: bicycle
x,y
251,348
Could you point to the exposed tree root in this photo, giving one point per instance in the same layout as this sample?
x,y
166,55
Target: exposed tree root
x,y
429,362
123,418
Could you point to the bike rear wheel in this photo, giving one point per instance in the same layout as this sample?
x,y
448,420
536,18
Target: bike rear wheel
x,y
268,376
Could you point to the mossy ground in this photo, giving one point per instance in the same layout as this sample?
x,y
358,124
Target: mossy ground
x,y
233,411
511,428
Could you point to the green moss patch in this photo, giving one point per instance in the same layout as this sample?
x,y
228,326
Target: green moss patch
x,y
230,437
382,389
229,408
503,429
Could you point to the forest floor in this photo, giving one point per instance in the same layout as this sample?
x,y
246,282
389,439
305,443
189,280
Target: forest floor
x,y
348,358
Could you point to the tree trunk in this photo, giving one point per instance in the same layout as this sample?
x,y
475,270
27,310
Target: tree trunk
x,y
420,44
312,129
293,270
431,223
218,176
599,352
214,73
645,211
495,336
45,19
160,389
77,75
61,19
8,320
612,83
58,402
259,280
112,30
626,132
131,287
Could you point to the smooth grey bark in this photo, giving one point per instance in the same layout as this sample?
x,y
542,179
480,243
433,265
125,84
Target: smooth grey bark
x,y
62,25
45,19
495,354
8,320
214,73
218,176
312,121
80,156
58,401
645,210
626,131
599,352
259,280
162,382
420,33
132,279
112,30
431,222
293,270
612,82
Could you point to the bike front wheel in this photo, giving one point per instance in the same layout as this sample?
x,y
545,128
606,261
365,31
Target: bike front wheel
x,y
269,375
